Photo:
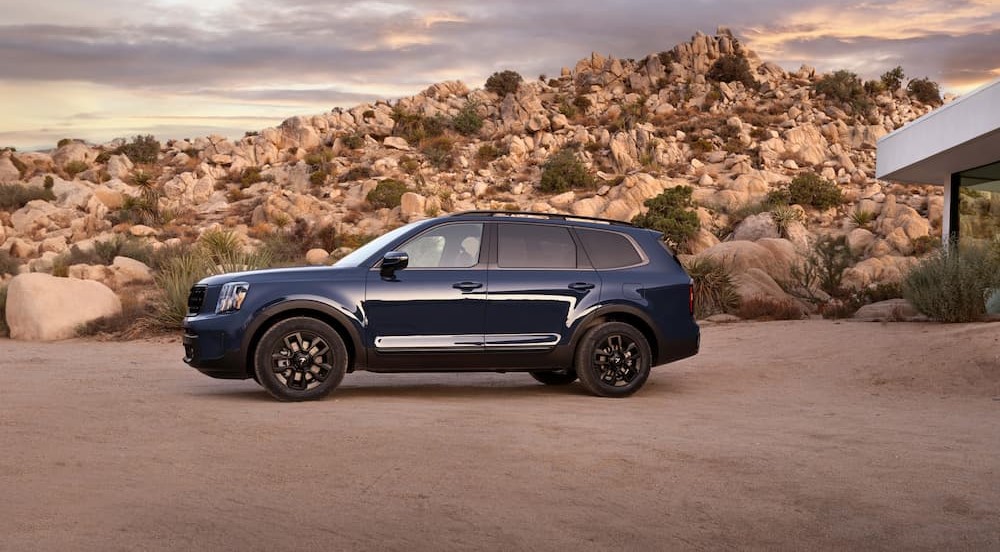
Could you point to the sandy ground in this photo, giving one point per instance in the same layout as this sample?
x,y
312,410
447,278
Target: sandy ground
x,y
784,435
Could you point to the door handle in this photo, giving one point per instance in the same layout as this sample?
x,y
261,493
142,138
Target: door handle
x,y
467,286
581,286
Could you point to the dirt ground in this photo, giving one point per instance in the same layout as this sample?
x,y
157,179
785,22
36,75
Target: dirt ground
x,y
784,435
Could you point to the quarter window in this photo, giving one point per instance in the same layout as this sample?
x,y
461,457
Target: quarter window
x,y
608,249
535,246
446,246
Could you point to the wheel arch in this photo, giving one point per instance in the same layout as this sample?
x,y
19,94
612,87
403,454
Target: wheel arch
x,y
311,309
628,315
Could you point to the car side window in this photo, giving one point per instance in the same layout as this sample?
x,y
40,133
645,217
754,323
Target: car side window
x,y
608,249
446,246
535,246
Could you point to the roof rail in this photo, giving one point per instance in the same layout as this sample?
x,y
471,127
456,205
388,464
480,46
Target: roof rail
x,y
532,214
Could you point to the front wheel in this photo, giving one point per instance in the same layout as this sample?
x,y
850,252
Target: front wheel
x,y
613,360
300,359
554,377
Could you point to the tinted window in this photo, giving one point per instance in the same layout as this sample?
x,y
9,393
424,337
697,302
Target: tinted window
x,y
446,246
608,249
535,246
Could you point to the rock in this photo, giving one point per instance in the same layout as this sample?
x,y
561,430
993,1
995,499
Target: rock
x,y
723,318
22,249
41,307
112,199
126,271
119,166
563,200
889,310
859,239
317,257
74,151
756,227
55,244
702,240
142,231
742,256
758,284
8,172
396,142
877,270
412,205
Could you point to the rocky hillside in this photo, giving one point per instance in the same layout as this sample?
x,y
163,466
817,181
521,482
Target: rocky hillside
x,y
682,117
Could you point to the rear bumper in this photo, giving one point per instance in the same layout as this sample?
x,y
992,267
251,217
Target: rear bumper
x,y
679,348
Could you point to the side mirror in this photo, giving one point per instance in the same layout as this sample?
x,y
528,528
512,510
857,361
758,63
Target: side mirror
x,y
393,261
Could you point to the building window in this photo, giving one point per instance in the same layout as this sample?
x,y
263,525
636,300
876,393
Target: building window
x,y
979,204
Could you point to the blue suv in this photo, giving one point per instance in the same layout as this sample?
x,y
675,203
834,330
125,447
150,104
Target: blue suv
x,y
558,296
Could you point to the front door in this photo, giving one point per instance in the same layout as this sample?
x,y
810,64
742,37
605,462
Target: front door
x,y
431,314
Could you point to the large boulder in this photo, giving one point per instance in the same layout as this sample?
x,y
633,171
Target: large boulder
x,y
8,172
41,307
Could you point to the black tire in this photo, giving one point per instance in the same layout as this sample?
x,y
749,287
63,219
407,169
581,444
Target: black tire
x,y
300,359
613,360
554,377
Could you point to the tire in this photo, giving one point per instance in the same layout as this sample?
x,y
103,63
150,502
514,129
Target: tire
x,y
554,377
300,359
613,360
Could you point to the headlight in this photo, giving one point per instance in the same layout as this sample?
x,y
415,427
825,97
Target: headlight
x,y
231,297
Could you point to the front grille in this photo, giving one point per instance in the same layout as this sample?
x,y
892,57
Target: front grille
x,y
196,299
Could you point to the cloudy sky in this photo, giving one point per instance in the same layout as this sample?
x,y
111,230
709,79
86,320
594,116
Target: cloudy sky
x,y
176,68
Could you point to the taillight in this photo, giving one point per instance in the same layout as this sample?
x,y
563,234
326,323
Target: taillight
x,y
691,298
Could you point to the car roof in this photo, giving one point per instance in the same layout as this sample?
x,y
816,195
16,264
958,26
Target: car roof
x,y
557,218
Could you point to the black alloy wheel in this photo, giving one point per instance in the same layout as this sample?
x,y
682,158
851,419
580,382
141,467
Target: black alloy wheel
x,y
300,359
613,360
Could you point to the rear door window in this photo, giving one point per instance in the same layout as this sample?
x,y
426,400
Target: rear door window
x,y
609,249
535,246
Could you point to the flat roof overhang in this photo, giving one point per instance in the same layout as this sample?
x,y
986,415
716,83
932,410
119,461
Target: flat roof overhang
x,y
961,135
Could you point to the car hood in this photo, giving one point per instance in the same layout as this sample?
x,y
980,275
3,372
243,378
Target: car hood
x,y
286,275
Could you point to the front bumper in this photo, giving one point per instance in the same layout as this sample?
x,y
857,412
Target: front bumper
x,y
211,348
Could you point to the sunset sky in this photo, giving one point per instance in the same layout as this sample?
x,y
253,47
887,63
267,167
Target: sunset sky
x,y
184,68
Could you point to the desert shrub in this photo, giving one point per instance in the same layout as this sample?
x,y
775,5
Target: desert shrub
x,y
250,175
504,82
568,109
823,268
15,196
487,152
318,158
768,308
317,178
359,172
714,290
924,90
668,213
74,168
808,189
702,145
438,151
64,142
4,330
142,149
564,172
8,264
353,141
925,244
468,121
19,165
874,87
783,217
845,87
731,68
130,323
882,291
952,285
861,218
893,78
387,193
174,281
582,103
141,209
414,127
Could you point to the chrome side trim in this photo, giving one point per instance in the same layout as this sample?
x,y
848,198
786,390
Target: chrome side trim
x,y
466,342
522,341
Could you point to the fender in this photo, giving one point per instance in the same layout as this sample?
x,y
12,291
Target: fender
x,y
352,323
615,308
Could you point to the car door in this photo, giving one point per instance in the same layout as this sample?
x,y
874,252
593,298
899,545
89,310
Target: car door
x,y
432,313
540,284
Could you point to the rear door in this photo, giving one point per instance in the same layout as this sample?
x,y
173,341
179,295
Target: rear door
x,y
540,284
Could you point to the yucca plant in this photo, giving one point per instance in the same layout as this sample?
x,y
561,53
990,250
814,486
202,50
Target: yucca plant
x,y
714,290
861,218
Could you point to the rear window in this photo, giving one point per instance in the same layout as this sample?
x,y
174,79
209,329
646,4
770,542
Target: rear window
x,y
535,246
608,249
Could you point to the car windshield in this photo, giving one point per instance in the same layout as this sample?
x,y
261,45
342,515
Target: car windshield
x,y
358,256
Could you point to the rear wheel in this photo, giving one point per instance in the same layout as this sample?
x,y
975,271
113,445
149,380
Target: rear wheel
x,y
300,359
613,360
555,377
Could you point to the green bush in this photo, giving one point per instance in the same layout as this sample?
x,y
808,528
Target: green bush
x,y
808,189
861,218
15,196
64,142
714,290
504,82
318,178
845,87
582,103
74,168
487,152
250,175
468,122
8,264
564,172
768,308
823,269
668,213
924,90
142,149
953,284
387,193
731,68
414,127
893,78
353,141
